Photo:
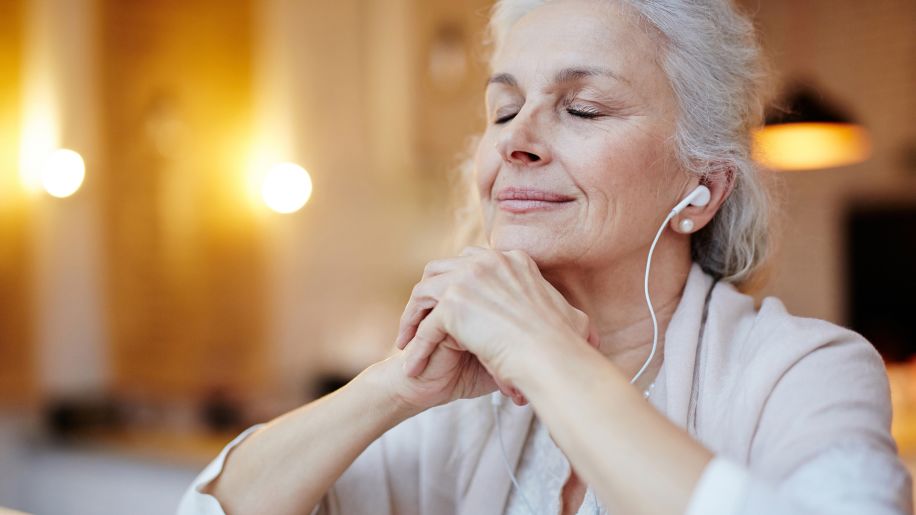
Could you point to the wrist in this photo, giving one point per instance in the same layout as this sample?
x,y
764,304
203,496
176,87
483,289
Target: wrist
x,y
558,357
382,381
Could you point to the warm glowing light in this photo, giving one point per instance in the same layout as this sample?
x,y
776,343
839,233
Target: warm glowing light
x,y
62,173
811,146
286,188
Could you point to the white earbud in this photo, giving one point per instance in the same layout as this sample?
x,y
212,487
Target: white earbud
x,y
698,197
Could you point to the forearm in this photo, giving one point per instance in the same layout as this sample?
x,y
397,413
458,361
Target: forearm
x,y
618,443
287,466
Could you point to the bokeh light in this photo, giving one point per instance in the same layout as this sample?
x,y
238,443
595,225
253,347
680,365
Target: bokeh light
x,y
811,146
286,187
62,173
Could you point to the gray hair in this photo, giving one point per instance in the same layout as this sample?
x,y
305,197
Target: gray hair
x,y
713,63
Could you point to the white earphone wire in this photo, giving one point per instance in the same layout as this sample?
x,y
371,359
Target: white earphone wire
x,y
645,365
658,235
502,447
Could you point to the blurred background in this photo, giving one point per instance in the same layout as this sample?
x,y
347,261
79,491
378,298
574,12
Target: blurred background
x,y
214,211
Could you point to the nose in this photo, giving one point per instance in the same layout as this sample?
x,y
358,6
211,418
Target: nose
x,y
522,142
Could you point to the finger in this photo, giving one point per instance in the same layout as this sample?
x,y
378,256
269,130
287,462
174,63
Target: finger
x,y
441,266
576,317
429,334
408,327
484,382
453,344
507,389
513,393
473,250
423,299
593,339
520,256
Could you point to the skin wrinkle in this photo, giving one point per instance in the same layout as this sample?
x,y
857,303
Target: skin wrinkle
x,y
619,171
646,122
608,130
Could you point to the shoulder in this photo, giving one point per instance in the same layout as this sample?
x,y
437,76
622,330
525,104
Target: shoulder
x,y
770,338
804,384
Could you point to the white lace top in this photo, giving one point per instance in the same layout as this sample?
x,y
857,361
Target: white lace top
x,y
542,472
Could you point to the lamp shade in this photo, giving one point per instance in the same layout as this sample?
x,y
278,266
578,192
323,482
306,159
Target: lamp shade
x,y
807,132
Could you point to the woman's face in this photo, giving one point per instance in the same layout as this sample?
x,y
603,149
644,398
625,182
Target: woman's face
x,y
577,164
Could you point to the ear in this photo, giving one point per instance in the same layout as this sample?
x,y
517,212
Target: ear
x,y
720,182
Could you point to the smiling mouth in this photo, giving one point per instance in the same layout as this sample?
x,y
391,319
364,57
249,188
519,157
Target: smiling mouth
x,y
526,200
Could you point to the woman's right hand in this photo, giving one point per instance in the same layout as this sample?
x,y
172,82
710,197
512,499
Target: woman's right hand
x,y
451,372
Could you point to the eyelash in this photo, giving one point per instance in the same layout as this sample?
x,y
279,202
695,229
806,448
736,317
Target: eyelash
x,y
503,119
587,112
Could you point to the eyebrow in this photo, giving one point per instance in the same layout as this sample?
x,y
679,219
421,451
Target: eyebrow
x,y
563,76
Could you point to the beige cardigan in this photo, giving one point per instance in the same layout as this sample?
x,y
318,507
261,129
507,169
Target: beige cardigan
x,y
775,395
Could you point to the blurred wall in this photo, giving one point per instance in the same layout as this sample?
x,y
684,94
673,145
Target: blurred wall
x,y
166,279
349,84
863,55
52,329
17,381
185,279
61,110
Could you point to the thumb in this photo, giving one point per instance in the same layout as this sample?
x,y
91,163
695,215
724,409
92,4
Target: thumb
x,y
593,338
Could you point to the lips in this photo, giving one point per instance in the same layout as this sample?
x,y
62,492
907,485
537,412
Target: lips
x,y
525,200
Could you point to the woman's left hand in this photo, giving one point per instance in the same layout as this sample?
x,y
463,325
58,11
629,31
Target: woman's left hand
x,y
494,304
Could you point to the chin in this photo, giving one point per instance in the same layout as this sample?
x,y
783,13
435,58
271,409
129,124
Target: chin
x,y
545,247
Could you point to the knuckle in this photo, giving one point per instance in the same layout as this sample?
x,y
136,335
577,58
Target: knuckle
x,y
521,257
451,299
448,296
477,269
583,319
430,268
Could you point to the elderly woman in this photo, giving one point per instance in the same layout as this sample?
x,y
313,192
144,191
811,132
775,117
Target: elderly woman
x,y
617,138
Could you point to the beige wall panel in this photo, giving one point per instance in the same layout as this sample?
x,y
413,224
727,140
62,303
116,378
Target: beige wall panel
x,y
186,263
16,339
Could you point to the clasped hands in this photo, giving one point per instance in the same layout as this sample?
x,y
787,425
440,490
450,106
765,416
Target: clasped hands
x,y
473,322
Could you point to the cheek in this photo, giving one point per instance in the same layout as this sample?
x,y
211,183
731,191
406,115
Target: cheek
x,y
486,164
608,173
621,176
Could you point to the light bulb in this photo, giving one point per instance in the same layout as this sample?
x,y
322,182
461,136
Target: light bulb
x,y
62,173
286,187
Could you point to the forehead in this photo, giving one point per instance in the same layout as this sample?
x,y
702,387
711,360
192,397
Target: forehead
x,y
576,34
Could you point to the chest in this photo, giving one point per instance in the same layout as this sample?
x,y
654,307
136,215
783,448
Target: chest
x,y
546,482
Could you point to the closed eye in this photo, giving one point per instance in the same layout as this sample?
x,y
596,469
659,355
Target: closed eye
x,y
587,112
504,118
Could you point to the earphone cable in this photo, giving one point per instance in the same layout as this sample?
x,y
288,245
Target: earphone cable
x,y
494,399
658,236
502,447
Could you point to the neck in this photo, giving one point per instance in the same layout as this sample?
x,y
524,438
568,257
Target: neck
x,y
613,298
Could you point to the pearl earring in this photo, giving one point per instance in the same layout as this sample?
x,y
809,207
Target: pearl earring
x,y
686,225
